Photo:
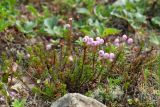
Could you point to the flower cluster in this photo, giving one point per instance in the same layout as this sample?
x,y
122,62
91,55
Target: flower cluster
x,y
91,42
98,41
124,38
104,55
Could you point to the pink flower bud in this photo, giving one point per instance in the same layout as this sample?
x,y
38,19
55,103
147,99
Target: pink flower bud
x,y
94,43
116,40
124,37
89,43
106,55
111,56
97,42
90,39
70,19
67,26
85,39
130,41
101,53
48,46
101,41
98,38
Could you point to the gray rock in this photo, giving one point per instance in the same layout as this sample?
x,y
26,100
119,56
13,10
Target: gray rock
x,y
76,100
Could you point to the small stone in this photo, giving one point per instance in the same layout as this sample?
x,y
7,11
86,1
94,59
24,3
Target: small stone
x,y
76,100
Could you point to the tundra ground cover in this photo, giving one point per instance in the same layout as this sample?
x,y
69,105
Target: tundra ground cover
x,y
108,50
